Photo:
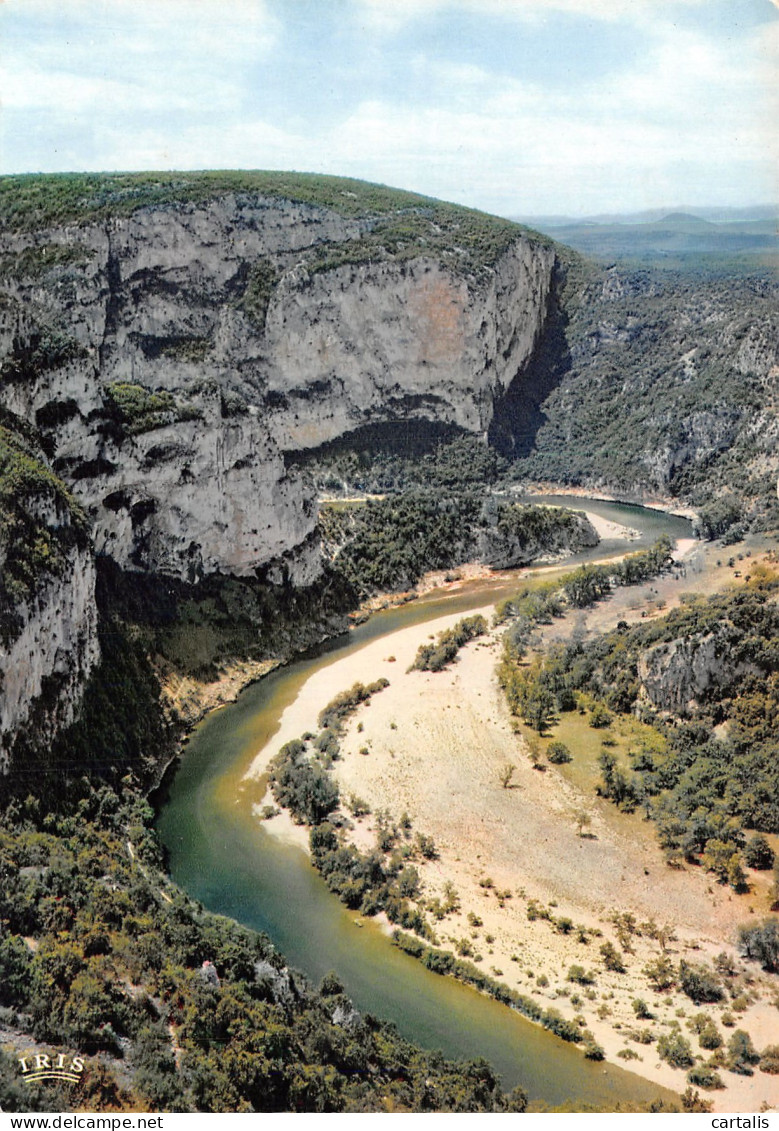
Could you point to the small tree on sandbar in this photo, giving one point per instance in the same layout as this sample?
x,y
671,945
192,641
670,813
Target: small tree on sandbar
x,y
583,820
506,774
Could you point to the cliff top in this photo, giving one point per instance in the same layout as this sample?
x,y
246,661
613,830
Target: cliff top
x,y
33,201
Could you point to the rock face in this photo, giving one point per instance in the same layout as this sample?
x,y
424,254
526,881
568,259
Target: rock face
x,y
49,644
174,356
500,546
676,675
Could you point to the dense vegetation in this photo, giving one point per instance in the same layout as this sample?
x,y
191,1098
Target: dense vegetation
x,y
445,962
590,583
664,389
173,1008
402,456
382,879
704,788
389,543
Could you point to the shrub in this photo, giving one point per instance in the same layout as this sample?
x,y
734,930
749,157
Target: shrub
x,y
346,703
705,1076
676,1050
709,1036
438,655
554,1021
594,1051
742,1054
699,983
769,1060
357,807
581,976
612,959
600,717
558,753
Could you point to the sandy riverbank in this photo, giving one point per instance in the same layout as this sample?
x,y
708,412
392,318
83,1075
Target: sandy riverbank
x,y
650,501
436,744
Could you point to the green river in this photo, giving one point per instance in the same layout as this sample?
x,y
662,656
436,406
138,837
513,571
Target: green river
x,y
221,854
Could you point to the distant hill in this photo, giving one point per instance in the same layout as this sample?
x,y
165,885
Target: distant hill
x,y
683,218
649,216
680,239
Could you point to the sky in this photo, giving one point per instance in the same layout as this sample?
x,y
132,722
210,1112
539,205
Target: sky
x,y
519,107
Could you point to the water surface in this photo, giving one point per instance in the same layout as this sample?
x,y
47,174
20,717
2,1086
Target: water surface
x,y
222,855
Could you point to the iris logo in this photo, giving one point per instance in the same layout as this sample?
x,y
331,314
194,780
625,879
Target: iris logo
x,y
42,1066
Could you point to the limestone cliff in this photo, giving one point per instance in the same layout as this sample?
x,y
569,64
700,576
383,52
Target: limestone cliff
x,y
176,342
676,676
173,357
48,617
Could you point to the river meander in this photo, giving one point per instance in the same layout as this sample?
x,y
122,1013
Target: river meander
x,y
222,856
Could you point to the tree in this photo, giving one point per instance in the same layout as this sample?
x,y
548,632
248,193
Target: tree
x,y
506,774
538,710
761,942
558,753
582,820
758,853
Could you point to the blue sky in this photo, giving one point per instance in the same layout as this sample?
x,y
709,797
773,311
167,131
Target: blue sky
x,y
514,106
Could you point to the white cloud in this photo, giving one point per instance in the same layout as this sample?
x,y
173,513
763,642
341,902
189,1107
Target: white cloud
x,y
390,15
136,84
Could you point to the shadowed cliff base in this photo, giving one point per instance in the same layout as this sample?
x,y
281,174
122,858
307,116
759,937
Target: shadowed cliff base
x,y
518,415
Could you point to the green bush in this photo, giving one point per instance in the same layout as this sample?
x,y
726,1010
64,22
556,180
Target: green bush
x,y
333,716
558,753
581,976
704,1076
438,655
675,1049
699,982
741,1053
769,1060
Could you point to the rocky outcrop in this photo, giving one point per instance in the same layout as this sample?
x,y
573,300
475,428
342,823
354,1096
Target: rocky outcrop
x,y
677,675
246,347
503,544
